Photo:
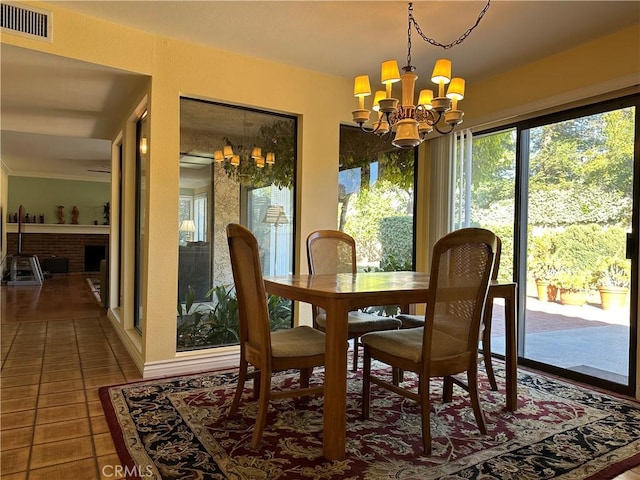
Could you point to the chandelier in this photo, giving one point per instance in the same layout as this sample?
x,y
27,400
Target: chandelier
x,y
233,156
412,122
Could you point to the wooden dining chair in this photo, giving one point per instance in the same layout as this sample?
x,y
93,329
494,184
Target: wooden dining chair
x,y
447,344
330,252
295,348
413,321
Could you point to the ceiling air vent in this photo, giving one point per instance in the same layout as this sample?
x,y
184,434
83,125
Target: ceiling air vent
x,y
26,21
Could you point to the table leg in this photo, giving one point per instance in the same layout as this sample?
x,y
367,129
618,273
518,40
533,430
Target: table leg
x,y
511,350
335,383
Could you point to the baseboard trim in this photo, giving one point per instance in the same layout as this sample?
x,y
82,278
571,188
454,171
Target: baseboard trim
x,y
183,366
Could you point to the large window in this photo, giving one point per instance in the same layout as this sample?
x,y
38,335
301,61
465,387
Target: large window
x,y
566,183
237,165
376,201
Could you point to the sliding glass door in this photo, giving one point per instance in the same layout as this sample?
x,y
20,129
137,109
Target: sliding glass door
x,y
579,174
562,193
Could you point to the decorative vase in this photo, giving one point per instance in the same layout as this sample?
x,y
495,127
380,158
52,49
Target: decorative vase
x,y
572,297
613,298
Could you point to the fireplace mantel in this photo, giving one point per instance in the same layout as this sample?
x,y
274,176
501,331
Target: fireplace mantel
x,y
64,228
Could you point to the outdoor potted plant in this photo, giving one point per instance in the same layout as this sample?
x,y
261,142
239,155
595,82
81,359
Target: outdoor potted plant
x,y
543,267
612,280
573,287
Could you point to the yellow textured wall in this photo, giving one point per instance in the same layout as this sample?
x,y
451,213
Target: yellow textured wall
x,y
598,67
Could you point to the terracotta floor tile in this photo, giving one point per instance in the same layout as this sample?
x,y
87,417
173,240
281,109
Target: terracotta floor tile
x,y
92,394
95,409
60,376
62,398
101,371
110,467
64,386
99,424
20,380
79,469
18,404
103,381
23,418
23,362
104,444
63,451
15,476
15,460
61,413
53,432
19,392
16,438
60,367
100,362
21,371
70,357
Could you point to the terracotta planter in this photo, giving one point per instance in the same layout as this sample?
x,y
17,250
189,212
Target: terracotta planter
x,y
613,298
542,288
569,297
546,291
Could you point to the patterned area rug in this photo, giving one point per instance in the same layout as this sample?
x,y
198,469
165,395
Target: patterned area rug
x,y
179,428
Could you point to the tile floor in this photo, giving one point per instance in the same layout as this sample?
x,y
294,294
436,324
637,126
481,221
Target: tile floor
x,y
58,348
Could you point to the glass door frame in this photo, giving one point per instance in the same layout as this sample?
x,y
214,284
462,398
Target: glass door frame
x,y
521,226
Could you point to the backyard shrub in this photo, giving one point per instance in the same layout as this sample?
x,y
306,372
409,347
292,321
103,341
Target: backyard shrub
x,y
396,240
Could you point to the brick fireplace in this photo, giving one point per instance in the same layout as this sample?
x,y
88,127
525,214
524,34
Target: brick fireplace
x,y
61,245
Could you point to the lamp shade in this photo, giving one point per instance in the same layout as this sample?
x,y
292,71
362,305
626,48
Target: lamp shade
x,y
275,214
441,71
271,158
361,86
425,98
389,73
187,226
218,156
256,153
380,94
235,160
456,89
227,151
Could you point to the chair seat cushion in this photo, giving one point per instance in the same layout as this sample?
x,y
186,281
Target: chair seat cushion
x,y
297,342
407,343
360,322
411,321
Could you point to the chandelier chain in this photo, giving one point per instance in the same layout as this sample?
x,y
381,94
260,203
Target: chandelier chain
x,y
435,43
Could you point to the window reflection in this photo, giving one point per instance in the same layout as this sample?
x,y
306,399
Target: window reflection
x,y
236,165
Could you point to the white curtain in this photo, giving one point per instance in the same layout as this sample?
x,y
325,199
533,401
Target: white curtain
x,y
461,178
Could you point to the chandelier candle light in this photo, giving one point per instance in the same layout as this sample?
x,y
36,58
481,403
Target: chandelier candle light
x,y
410,122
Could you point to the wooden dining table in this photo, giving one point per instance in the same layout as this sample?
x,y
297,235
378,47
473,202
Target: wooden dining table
x,y
344,292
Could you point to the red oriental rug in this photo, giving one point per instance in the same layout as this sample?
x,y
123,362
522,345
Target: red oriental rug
x,y
179,428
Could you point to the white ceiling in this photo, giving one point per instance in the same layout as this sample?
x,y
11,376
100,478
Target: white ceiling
x,y
57,113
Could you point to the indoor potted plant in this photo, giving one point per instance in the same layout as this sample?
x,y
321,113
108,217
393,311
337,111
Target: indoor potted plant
x,y
612,280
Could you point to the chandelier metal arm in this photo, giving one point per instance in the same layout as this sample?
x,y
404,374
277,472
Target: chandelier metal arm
x,y
444,132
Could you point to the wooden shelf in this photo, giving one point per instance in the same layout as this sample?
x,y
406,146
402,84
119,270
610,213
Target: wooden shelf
x,y
65,228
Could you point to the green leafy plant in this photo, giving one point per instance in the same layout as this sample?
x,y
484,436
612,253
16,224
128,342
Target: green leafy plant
x,y
573,280
203,325
612,272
